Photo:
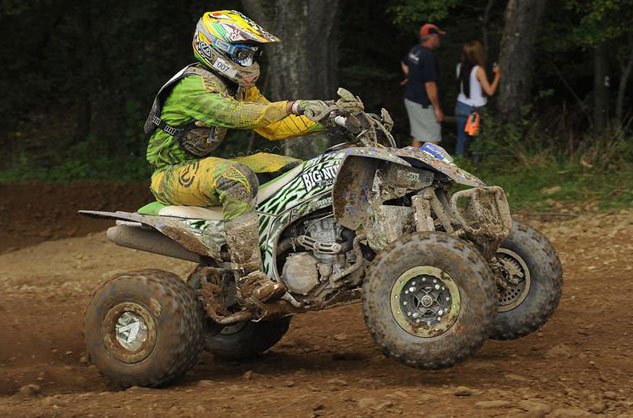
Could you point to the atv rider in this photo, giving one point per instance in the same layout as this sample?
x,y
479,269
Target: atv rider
x,y
189,119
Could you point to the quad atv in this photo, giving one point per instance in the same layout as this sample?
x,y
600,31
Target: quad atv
x,y
437,272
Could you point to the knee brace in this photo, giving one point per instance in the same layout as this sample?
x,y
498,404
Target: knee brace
x,y
237,188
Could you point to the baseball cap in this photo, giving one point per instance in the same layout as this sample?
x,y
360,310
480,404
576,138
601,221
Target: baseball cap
x,y
430,29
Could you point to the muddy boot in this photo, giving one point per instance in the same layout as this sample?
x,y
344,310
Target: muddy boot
x,y
242,236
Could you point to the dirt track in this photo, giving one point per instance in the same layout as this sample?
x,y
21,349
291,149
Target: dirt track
x,y
579,364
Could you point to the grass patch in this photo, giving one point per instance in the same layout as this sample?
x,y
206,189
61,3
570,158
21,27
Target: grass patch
x,y
543,189
540,173
129,169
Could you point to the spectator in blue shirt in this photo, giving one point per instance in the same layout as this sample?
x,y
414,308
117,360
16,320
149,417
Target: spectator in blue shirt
x,y
421,96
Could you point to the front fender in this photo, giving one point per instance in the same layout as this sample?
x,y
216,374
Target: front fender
x,y
353,183
450,169
355,178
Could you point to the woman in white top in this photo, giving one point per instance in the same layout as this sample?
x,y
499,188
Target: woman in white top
x,y
473,83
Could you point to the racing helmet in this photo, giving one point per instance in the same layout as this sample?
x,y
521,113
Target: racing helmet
x,y
228,43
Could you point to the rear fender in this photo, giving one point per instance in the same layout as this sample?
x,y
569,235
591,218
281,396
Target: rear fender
x,y
203,237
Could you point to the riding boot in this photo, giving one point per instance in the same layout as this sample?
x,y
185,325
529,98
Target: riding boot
x,y
242,237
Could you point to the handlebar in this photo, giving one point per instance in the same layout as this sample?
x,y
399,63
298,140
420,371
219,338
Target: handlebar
x,y
369,129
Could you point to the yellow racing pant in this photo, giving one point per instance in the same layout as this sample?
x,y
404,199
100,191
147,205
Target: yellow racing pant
x,y
213,181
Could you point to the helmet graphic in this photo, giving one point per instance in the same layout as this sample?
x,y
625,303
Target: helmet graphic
x,y
228,42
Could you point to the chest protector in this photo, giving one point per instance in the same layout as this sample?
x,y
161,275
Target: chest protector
x,y
196,138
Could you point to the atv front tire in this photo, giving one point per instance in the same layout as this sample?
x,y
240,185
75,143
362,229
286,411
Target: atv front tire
x,y
429,299
144,328
528,258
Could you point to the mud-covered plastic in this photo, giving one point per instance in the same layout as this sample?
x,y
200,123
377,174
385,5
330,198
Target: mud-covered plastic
x,y
484,215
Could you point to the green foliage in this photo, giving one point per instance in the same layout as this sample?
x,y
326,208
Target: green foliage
x,y
415,11
600,20
611,151
527,145
583,24
19,7
134,141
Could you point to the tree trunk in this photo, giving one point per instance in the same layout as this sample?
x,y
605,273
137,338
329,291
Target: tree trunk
x,y
85,110
304,65
522,21
485,25
600,88
624,79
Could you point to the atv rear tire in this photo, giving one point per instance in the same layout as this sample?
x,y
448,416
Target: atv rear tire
x,y
246,339
526,306
242,340
429,299
144,328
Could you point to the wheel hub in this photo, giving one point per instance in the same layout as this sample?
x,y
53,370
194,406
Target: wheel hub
x,y
129,332
425,301
516,277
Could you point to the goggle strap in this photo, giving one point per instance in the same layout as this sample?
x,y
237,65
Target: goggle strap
x,y
232,49
223,46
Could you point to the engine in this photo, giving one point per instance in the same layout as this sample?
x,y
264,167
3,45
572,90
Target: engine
x,y
323,256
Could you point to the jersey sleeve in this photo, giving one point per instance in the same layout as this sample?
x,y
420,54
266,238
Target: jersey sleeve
x,y
205,102
289,127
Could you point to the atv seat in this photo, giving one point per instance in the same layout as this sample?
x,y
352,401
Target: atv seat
x,y
215,213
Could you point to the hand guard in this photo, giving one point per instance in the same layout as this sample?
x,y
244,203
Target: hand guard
x,y
348,103
387,122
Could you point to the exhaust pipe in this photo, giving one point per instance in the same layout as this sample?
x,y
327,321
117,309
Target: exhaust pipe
x,y
149,240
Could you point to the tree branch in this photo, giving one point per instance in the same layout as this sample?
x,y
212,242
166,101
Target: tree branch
x,y
583,107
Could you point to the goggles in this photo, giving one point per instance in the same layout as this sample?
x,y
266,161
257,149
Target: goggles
x,y
245,54
242,54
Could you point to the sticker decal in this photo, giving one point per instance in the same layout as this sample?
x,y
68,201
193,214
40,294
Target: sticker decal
x,y
318,178
224,67
306,193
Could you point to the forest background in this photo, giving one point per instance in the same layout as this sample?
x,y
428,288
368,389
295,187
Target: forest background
x,y
78,79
